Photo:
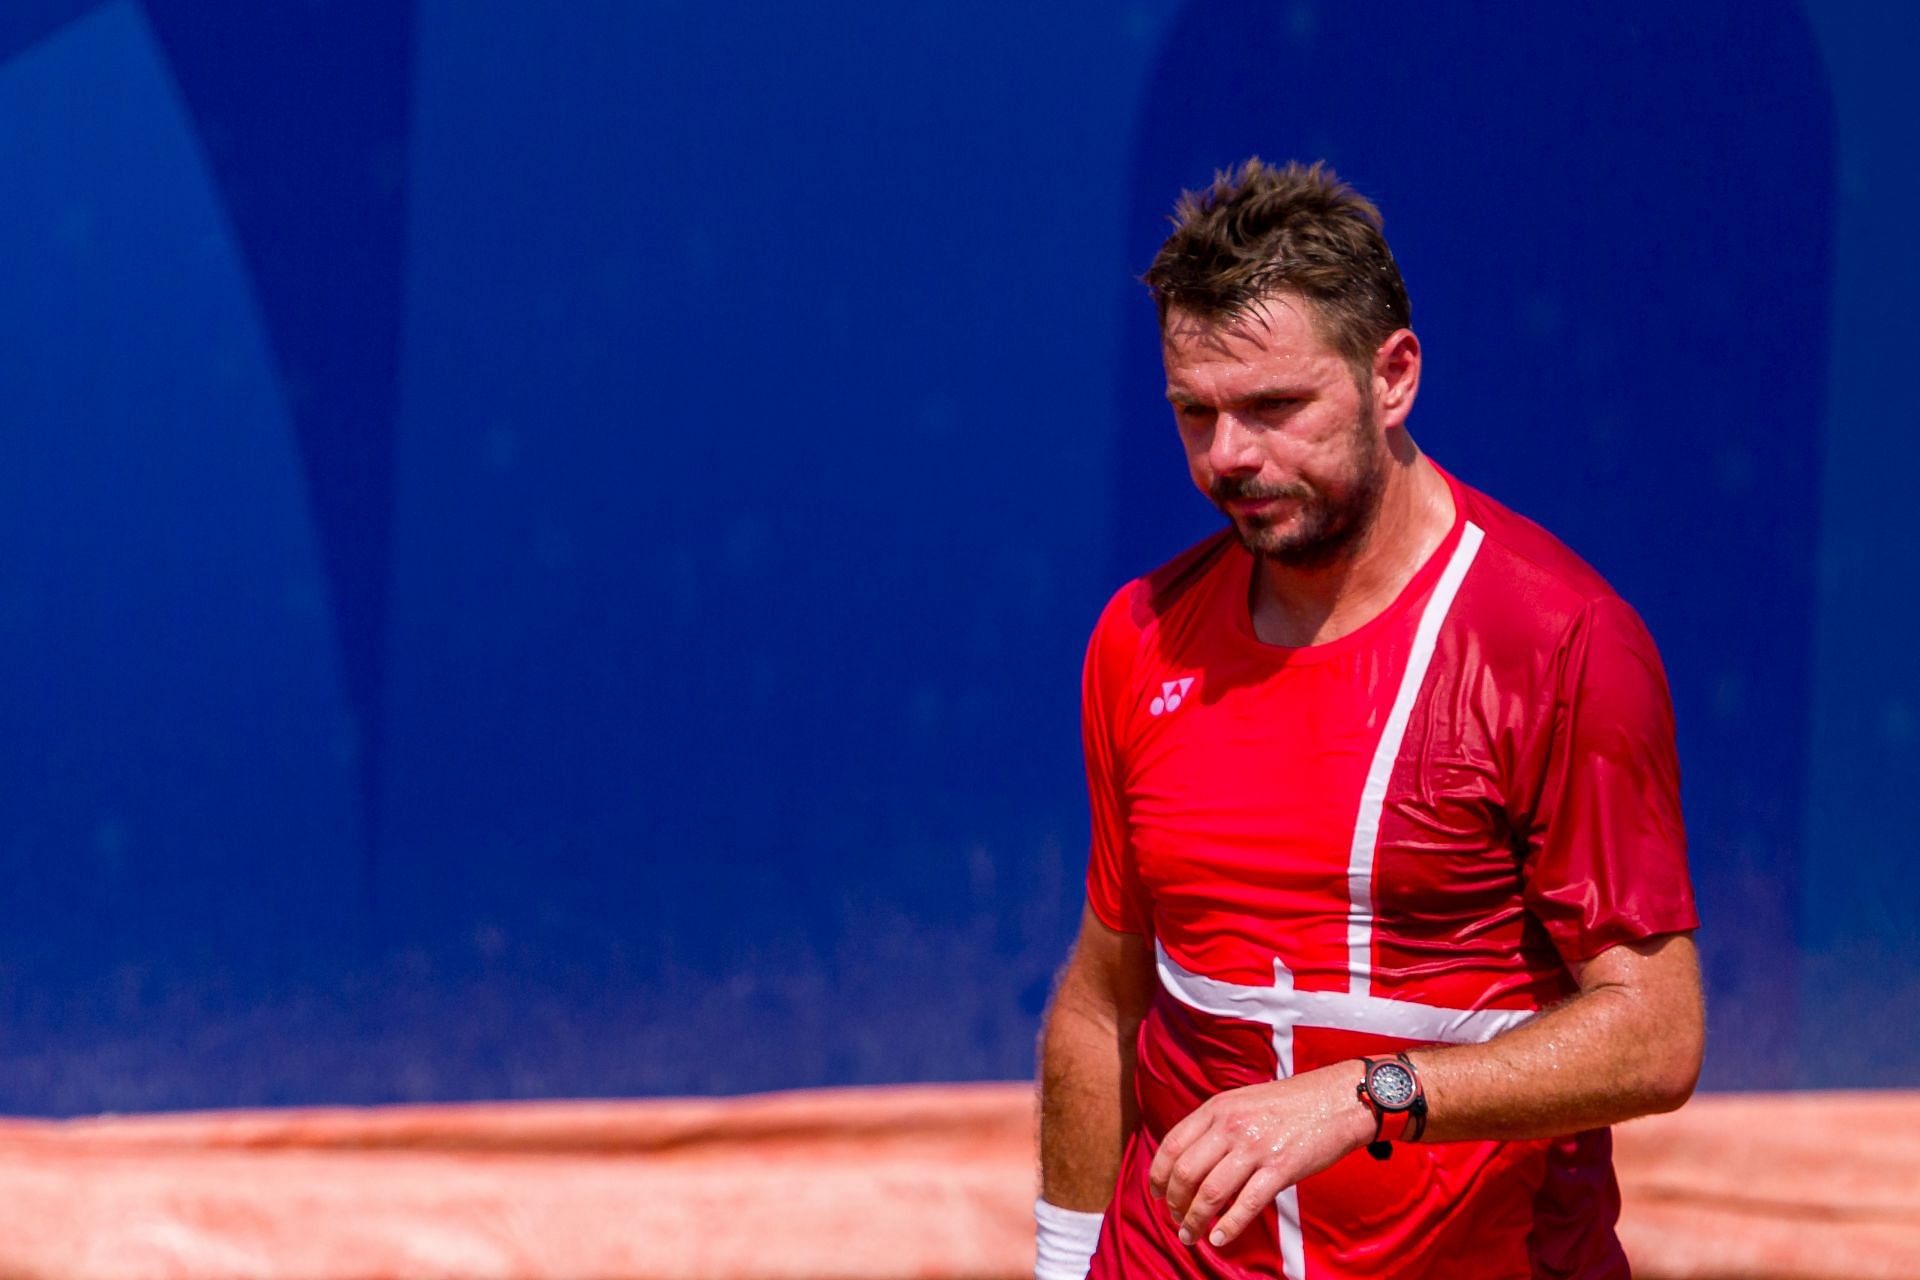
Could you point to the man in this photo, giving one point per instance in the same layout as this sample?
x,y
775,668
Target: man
x,y
1388,913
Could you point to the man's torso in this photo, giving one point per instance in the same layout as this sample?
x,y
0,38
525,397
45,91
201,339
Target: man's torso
x,y
1336,852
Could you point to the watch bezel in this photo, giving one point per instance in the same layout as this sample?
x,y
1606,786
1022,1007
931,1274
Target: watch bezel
x,y
1409,1087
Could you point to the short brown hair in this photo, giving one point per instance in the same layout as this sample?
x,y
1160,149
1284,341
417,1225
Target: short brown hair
x,y
1258,232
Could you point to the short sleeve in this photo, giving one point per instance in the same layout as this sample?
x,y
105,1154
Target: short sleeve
x,y
1605,857
1113,885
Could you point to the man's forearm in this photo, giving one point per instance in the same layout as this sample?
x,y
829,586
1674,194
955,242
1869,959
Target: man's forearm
x,y
1086,1100
1616,1051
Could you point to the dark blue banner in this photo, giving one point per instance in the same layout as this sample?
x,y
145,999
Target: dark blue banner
x,y
548,552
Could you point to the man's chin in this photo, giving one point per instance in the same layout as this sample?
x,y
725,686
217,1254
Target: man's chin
x,y
1295,547
1266,538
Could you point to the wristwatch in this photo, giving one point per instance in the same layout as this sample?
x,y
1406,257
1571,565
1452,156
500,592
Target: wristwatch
x,y
1391,1089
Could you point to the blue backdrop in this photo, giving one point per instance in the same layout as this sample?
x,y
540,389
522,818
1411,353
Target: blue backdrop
x,y
548,551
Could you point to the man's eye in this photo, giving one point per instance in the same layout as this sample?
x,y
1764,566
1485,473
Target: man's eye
x,y
1275,404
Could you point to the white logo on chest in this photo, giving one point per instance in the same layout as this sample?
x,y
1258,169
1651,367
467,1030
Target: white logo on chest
x,y
1172,694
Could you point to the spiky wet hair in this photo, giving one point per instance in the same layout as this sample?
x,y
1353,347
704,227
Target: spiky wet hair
x,y
1260,232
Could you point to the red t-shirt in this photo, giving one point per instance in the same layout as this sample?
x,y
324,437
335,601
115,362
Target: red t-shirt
x,y
1404,836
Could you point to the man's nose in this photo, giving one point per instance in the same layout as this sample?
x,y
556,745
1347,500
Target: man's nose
x,y
1232,447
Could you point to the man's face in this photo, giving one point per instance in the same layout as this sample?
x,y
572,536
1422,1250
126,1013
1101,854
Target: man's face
x,y
1277,431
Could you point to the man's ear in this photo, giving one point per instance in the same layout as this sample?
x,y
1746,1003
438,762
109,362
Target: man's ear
x,y
1396,377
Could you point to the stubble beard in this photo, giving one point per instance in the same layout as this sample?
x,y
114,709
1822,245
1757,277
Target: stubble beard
x,y
1325,529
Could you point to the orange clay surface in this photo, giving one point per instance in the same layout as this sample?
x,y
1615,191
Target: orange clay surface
x,y
900,1183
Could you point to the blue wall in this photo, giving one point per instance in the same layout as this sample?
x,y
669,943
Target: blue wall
x,y
549,552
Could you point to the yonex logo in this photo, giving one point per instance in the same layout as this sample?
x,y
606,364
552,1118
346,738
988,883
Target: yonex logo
x,y
1172,693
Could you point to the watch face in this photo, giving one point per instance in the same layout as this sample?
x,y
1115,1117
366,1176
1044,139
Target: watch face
x,y
1391,1086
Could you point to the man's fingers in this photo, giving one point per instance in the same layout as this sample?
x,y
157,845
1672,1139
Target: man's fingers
x,y
1216,1192
1191,1169
1252,1201
1173,1146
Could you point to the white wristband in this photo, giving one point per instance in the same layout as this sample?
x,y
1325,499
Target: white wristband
x,y
1064,1243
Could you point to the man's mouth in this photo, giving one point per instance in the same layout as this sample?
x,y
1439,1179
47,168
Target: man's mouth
x,y
1248,502
1252,508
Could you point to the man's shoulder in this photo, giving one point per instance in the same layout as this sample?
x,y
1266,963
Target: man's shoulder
x,y
1529,599
1142,603
1533,565
1148,611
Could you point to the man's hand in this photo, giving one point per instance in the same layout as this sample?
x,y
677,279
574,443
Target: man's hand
x,y
1240,1149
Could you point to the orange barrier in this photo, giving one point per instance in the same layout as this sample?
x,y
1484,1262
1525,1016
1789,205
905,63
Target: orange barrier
x,y
879,1184
1820,1186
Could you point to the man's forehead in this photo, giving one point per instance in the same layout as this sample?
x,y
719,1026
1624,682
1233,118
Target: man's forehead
x,y
1273,331
1281,319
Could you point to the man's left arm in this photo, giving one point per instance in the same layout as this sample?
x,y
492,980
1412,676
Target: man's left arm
x,y
1629,1044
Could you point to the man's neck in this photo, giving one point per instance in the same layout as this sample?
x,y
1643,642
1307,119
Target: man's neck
x,y
1295,606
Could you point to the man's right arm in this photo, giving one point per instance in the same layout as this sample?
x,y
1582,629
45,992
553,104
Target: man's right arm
x,y
1086,1065
1086,1047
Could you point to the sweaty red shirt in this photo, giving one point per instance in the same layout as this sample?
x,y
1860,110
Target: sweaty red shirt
x,y
1401,837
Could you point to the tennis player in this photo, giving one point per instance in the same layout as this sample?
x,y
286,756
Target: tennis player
x,y
1388,915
